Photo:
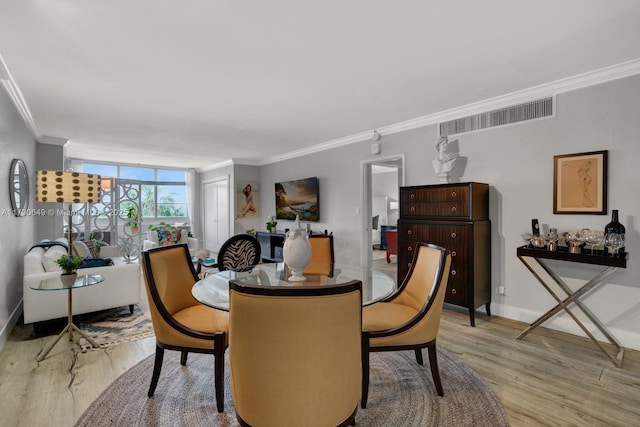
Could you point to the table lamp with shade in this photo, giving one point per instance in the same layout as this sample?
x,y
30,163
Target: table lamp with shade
x,y
67,187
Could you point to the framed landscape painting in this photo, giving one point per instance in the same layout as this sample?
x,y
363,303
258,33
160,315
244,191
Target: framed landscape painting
x,y
300,198
580,183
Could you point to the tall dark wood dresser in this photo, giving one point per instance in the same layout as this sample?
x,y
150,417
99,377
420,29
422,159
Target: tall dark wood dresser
x,y
456,217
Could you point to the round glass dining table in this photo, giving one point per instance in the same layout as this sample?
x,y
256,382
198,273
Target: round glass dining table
x,y
213,290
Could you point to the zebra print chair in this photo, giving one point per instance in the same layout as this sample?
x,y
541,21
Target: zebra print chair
x,y
241,251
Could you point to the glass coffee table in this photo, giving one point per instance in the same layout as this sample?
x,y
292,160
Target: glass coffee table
x,y
213,290
55,284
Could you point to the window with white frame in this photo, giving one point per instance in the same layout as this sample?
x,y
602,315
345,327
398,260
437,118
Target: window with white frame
x,y
164,191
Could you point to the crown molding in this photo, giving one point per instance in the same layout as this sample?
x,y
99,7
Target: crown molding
x,y
216,166
362,136
580,81
17,98
53,140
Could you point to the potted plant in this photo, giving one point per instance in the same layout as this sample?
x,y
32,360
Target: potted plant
x,y
94,237
69,265
156,227
271,224
133,219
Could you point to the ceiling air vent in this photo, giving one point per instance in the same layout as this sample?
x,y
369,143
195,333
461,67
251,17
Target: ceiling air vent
x,y
505,116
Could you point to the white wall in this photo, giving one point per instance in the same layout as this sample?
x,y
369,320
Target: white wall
x,y
517,161
49,157
17,232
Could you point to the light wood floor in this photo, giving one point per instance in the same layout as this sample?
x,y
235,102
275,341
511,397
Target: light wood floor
x,y
550,378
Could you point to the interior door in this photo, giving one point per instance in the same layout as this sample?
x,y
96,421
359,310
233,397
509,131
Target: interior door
x,y
215,195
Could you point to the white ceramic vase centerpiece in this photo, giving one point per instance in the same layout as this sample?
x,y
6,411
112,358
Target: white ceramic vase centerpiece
x,y
296,251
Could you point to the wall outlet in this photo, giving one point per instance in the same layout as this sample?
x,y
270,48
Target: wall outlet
x,y
502,290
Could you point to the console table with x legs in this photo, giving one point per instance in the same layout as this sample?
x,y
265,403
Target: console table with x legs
x,y
611,264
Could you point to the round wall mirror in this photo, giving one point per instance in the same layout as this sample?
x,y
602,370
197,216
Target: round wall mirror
x,y
19,187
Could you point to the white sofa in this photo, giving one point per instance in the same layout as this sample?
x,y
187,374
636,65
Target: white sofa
x,y
121,287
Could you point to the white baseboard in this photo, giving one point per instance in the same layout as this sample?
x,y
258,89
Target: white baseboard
x,y
8,328
563,323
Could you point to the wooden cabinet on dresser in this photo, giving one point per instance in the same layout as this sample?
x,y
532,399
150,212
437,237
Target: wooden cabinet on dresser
x,y
456,217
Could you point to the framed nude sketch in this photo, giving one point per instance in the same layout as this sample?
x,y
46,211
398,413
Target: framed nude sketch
x,y
580,183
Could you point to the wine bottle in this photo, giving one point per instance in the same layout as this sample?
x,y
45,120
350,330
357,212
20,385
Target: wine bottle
x,y
535,227
614,227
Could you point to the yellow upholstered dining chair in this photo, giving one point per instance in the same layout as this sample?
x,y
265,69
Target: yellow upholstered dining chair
x,y
322,257
409,318
295,353
179,321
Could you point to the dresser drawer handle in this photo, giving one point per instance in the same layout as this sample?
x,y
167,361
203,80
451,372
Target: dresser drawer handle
x,y
412,209
453,272
454,194
409,249
409,264
413,195
453,253
453,209
453,291
409,232
454,235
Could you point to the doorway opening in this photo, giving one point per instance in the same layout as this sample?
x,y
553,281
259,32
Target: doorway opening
x,y
381,182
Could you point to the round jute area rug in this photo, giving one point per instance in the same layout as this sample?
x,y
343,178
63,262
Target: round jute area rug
x,y
401,393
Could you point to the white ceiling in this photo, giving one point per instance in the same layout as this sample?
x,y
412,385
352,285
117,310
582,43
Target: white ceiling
x,y
199,82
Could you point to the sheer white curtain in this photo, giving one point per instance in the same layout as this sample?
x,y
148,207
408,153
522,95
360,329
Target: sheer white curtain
x,y
191,194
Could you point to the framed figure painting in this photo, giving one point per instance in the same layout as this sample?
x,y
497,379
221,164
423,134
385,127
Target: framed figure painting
x,y
580,183
248,198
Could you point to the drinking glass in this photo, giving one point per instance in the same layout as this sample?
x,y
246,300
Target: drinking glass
x,y
574,241
613,241
593,239
550,240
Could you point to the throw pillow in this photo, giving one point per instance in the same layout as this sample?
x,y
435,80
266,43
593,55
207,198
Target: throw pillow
x,y
81,249
47,244
33,261
50,256
93,248
168,237
152,236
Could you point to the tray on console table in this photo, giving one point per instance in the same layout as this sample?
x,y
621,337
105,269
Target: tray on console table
x,y
563,254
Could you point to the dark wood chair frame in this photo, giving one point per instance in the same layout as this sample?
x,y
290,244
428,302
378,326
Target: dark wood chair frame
x,y
431,345
218,339
333,259
306,291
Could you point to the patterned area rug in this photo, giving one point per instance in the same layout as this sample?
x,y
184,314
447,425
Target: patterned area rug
x,y
114,326
401,393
